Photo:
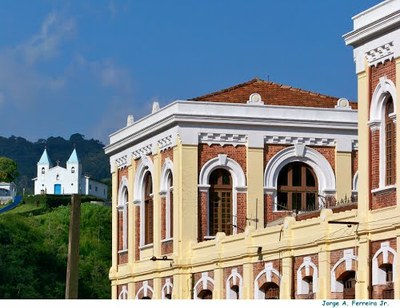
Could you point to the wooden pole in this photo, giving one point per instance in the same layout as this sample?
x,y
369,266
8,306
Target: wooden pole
x,y
71,287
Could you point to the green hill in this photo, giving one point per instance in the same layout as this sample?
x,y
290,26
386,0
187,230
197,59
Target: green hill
x,y
90,152
34,247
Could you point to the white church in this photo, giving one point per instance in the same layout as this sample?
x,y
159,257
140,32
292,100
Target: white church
x,y
58,180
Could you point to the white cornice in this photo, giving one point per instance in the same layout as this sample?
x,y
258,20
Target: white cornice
x,y
290,140
374,22
222,138
210,115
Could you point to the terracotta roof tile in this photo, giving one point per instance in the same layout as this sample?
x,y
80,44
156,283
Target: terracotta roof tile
x,y
272,94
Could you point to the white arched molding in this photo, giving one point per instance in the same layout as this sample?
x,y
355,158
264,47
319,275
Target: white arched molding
x,y
166,169
145,165
203,282
379,275
167,288
268,272
354,191
124,293
385,89
146,289
300,153
303,286
165,192
348,258
236,280
238,178
123,202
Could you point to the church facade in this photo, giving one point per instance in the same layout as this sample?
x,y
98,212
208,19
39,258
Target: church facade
x,y
263,191
58,180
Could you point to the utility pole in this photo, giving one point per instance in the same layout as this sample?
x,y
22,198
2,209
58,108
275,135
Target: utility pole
x,y
71,287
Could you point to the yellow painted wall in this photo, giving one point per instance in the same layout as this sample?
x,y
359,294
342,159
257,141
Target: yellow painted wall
x,y
255,186
343,176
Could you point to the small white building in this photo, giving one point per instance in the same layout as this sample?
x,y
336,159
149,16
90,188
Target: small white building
x,y
58,180
8,191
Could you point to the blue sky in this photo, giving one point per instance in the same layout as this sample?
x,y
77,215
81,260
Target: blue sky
x,y
82,66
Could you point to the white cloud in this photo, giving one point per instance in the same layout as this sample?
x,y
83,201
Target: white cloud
x,y
46,43
21,80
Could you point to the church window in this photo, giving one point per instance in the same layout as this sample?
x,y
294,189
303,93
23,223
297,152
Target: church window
x,y
72,169
57,177
220,202
297,188
43,170
148,209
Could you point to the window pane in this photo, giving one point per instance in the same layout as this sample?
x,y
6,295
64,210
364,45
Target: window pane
x,y
296,175
296,201
310,180
282,201
283,177
311,206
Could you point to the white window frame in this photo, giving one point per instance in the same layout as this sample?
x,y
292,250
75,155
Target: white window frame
x,y
378,275
237,281
268,271
302,288
145,165
165,192
300,153
377,115
123,204
222,161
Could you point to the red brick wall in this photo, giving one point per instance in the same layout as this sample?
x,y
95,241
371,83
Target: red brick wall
x,y
383,199
387,69
167,247
169,153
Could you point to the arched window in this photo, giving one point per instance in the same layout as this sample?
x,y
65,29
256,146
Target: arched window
x,y
271,290
72,169
169,208
297,188
124,293
43,170
148,209
390,143
308,287
348,279
123,219
205,294
234,285
220,202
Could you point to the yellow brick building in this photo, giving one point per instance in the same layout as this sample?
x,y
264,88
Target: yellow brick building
x,y
250,192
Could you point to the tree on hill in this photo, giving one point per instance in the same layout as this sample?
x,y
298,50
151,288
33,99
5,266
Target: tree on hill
x,y
8,170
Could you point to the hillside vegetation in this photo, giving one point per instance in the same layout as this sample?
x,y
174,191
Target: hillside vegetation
x,y
34,248
90,152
